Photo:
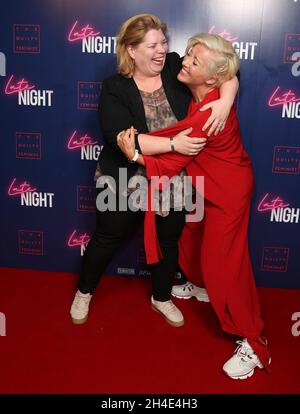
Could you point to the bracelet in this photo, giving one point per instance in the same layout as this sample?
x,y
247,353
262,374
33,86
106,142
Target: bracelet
x,y
135,157
172,144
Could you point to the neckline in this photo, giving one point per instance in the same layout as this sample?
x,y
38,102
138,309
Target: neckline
x,y
151,93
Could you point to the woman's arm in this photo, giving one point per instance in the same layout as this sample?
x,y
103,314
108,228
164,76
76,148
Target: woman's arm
x,y
126,143
116,117
221,107
182,144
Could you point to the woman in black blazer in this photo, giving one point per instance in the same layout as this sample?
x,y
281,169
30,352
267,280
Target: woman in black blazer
x,y
147,95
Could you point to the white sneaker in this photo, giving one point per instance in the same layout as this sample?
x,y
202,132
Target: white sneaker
x,y
80,307
243,362
188,290
171,313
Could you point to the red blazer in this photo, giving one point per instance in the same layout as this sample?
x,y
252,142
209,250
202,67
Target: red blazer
x,y
225,165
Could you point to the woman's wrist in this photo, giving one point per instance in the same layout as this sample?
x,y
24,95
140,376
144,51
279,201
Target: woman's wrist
x,y
172,144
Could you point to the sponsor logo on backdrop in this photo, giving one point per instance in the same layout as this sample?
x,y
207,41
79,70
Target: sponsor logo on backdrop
x,y
28,145
287,100
275,259
292,52
291,46
89,147
26,38
296,326
27,92
28,195
125,271
246,50
31,242
88,95
144,273
86,198
91,40
76,239
280,210
2,324
2,64
286,160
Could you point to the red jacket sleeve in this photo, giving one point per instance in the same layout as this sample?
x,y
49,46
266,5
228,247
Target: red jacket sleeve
x,y
172,163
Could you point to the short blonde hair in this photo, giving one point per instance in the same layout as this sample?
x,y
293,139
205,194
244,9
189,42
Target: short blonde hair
x,y
132,32
226,62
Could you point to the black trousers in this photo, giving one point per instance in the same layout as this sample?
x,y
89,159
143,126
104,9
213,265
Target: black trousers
x,y
113,228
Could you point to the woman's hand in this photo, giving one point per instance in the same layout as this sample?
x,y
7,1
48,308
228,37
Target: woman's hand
x,y
126,142
217,120
186,145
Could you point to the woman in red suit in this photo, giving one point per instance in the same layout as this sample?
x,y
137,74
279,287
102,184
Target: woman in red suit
x,y
219,243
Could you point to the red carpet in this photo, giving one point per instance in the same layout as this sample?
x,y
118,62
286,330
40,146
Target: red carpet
x,y
126,347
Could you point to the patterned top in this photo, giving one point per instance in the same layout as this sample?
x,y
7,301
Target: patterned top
x,y
159,114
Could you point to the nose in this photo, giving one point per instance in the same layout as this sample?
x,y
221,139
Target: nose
x,y
161,48
185,62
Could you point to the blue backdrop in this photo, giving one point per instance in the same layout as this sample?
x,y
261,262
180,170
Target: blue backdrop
x,y
54,55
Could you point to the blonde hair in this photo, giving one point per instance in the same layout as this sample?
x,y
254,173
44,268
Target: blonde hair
x,y
132,32
226,62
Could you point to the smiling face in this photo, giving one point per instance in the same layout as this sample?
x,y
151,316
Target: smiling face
x,y
149,56
196,67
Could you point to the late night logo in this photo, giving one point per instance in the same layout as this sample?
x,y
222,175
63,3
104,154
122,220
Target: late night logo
x,y
89,148
91,41
79,240
27,93
245,50
288,100
281,212
29,196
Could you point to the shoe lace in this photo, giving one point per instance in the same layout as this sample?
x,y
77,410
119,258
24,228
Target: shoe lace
x,y
81,300
188,286
243,351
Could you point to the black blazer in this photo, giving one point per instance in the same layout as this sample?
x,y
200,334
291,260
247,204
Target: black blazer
x,y
121,107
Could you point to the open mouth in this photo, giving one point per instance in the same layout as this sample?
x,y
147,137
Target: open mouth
x,y
159,61
184,71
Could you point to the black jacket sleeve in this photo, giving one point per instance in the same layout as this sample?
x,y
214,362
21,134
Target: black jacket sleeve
x,y
113,113
174,63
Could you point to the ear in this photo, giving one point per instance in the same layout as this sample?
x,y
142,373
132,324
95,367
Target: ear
x,y
131,51
211,81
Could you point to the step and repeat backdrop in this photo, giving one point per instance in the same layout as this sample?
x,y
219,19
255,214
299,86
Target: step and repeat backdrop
x,y
54,55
